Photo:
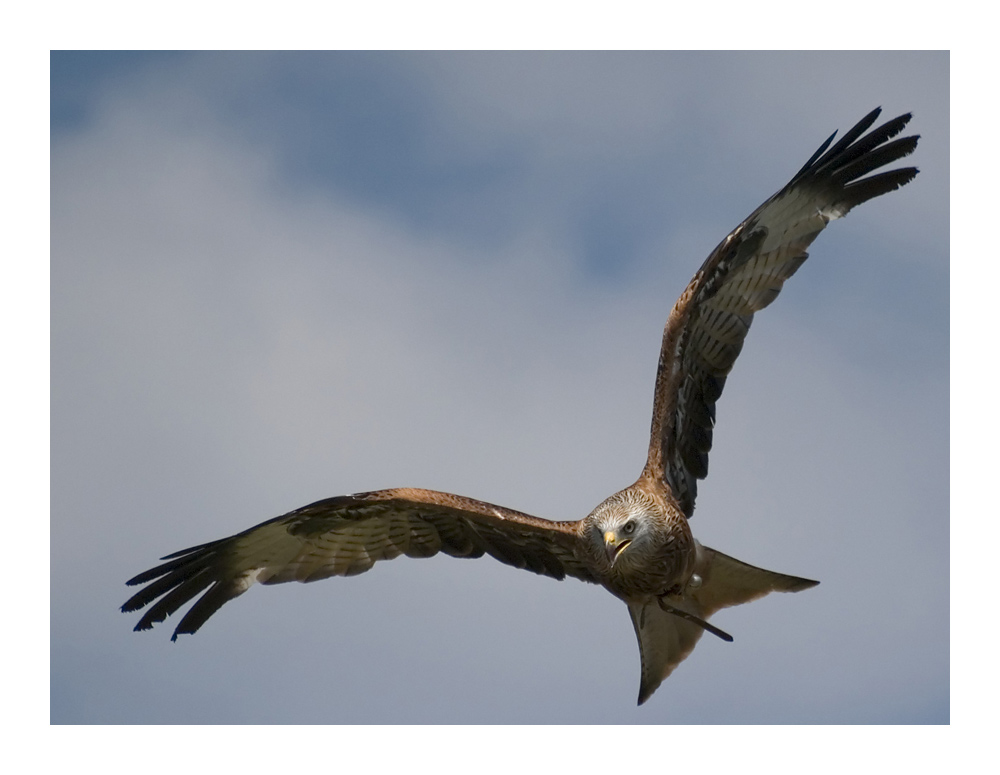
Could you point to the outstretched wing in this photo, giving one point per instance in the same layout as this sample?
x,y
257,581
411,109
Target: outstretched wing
x,y
346,535
706,328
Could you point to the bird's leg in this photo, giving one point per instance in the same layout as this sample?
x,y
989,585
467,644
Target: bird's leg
x,y
694,620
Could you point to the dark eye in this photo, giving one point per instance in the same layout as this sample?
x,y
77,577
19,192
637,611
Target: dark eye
x,y
628,528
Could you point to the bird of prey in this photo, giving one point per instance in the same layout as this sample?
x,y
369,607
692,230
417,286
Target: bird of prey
x,y
637,544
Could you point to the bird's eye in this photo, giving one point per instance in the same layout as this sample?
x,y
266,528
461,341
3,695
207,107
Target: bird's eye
x,y
628,528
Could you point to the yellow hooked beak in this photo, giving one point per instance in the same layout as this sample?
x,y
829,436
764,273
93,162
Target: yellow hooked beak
x,y
614,545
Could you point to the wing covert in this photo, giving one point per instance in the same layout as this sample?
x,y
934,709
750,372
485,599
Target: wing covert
x,y
707,326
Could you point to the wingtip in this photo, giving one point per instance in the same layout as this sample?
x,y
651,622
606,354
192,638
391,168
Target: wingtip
x,y
872,116
131,605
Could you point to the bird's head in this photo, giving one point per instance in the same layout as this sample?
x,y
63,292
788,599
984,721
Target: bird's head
x,y
638,542
624,529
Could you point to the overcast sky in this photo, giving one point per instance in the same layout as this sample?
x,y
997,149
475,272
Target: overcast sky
x,y
277,278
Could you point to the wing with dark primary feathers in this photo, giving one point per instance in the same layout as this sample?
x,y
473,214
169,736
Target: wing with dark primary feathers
x,y
346,535
706,328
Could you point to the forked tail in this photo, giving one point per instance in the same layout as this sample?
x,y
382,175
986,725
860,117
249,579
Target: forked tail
x,y
669,628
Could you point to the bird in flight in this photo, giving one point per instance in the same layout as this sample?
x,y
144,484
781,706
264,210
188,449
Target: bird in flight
x,y
637,544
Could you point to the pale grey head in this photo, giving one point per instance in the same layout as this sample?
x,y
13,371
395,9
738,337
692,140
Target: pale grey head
x,y
641,546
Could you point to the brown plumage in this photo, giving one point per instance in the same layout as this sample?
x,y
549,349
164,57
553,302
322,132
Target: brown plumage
x,y
637,543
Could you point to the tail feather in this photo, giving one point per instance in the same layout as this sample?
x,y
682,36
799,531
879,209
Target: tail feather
x,y
726,581
720,581
665,640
